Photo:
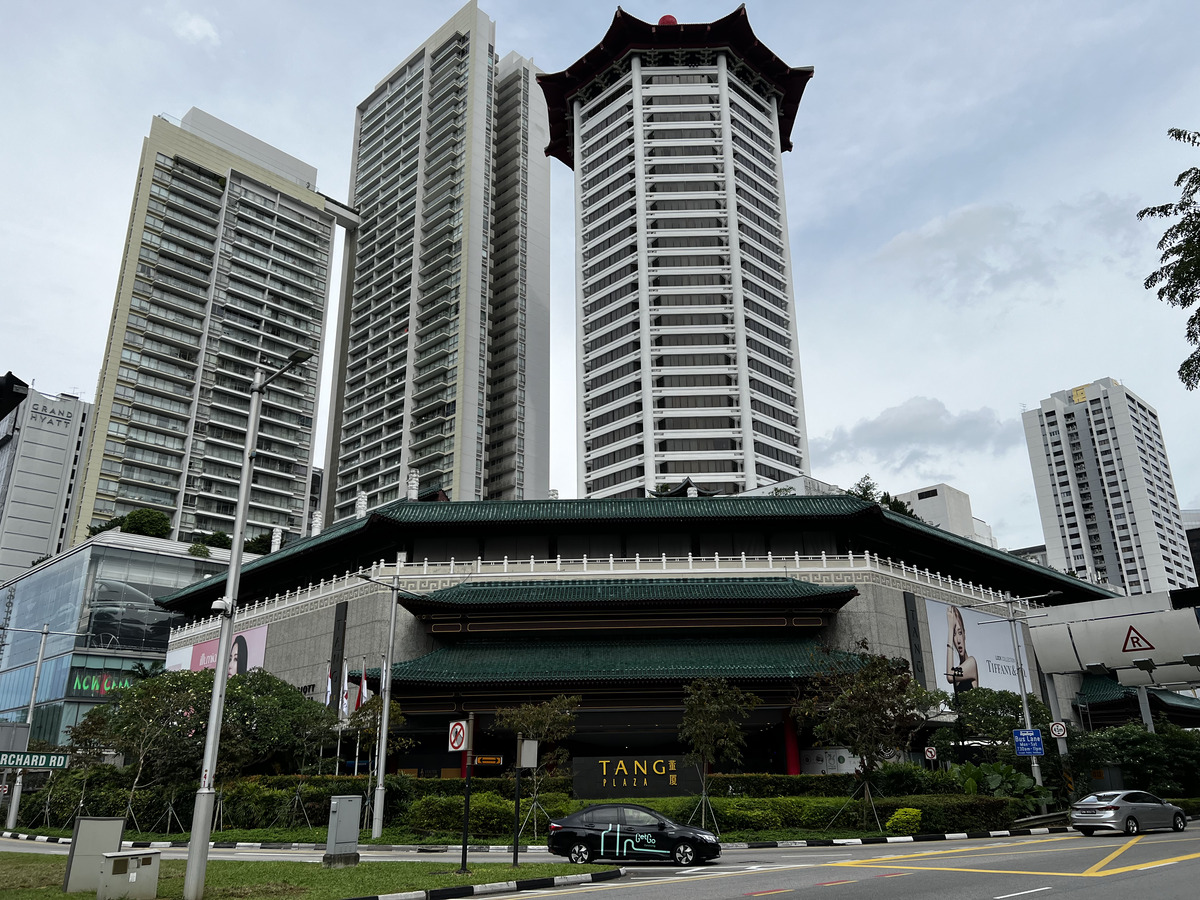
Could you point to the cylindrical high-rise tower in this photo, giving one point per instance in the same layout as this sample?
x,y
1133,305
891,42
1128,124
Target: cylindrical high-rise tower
x,y
688,363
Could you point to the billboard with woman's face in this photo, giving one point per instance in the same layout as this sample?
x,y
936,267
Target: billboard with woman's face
x,y
248,652
973,649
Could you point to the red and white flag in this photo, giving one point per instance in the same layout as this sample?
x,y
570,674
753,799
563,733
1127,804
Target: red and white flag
x,y
363,693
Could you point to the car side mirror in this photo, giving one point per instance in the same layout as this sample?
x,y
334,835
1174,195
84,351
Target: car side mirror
x,y
662,826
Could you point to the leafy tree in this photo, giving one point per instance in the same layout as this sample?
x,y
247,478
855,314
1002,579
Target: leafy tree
x,y
866,489
713,712
142,671
871,706
115,522
365,720
218,539
149,522
784,491
148,722
159,724
549,723
269,726
989,717
1166,762
1178,276
200,550
260,545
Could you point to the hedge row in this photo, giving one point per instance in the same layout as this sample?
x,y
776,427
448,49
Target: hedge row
x,y
434,806
893,780
492,815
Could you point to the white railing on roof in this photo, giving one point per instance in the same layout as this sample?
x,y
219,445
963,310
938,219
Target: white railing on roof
x,y
414,574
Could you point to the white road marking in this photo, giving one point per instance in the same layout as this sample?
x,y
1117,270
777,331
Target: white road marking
x,y
1022,893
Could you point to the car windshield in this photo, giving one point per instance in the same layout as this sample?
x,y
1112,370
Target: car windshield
x,y
1100,798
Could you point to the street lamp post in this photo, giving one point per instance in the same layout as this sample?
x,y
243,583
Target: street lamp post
x,y
1010,603
44,631
385,697
197,858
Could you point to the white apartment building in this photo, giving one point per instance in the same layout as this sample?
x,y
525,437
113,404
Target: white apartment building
x,y
41,445
1104,489
443,337
688,362
950,509
225,271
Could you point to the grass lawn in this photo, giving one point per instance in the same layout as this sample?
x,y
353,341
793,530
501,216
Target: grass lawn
x,y
35,876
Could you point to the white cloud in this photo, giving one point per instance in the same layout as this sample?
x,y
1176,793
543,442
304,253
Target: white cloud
x,y
195,29
974,252
917,432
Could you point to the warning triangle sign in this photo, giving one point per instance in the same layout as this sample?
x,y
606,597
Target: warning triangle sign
x,y
1135,641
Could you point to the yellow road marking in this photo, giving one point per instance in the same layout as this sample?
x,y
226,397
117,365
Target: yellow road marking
x,y
1092,870
1150,865
965,869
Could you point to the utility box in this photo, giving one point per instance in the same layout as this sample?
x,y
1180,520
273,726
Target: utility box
x,y
91,838
341,845
129,873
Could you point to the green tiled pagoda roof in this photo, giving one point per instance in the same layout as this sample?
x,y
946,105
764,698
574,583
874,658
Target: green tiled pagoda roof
x,y
666,509
619,591
1098,689
670,659
356,542
1102,689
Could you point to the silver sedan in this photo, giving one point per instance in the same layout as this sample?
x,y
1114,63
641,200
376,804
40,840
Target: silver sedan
x,y
1128,811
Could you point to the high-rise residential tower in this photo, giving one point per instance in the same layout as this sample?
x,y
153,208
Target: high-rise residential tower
x,y
688,359
443,336
1104,489
225,270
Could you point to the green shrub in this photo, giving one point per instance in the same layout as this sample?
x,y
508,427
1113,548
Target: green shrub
x,y
747,815
781,785
898,779
435,815
942,813
491,814
904,821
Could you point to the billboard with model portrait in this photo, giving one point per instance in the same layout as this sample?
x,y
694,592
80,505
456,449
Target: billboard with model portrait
x,y
973,649
248,652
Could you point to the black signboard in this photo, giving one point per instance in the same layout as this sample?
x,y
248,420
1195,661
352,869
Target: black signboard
x,y
602,777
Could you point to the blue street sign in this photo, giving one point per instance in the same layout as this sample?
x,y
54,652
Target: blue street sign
x,y
1029,742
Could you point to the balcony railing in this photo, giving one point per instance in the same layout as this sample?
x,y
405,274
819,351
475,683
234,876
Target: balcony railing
x,y
425,576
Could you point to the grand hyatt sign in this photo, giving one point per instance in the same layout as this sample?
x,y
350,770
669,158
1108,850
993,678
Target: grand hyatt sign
x,y
597,777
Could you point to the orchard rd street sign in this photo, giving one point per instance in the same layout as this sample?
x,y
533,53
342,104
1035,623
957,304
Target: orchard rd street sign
x,y
34,760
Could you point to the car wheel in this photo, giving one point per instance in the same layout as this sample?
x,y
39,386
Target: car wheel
x,y
684,853
1131,826
1179,822
580,853
1087,832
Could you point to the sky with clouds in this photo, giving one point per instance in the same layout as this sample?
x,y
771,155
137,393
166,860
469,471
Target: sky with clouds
x,y
962,197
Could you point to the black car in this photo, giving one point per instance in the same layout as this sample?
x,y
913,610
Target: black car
x,y
625,831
